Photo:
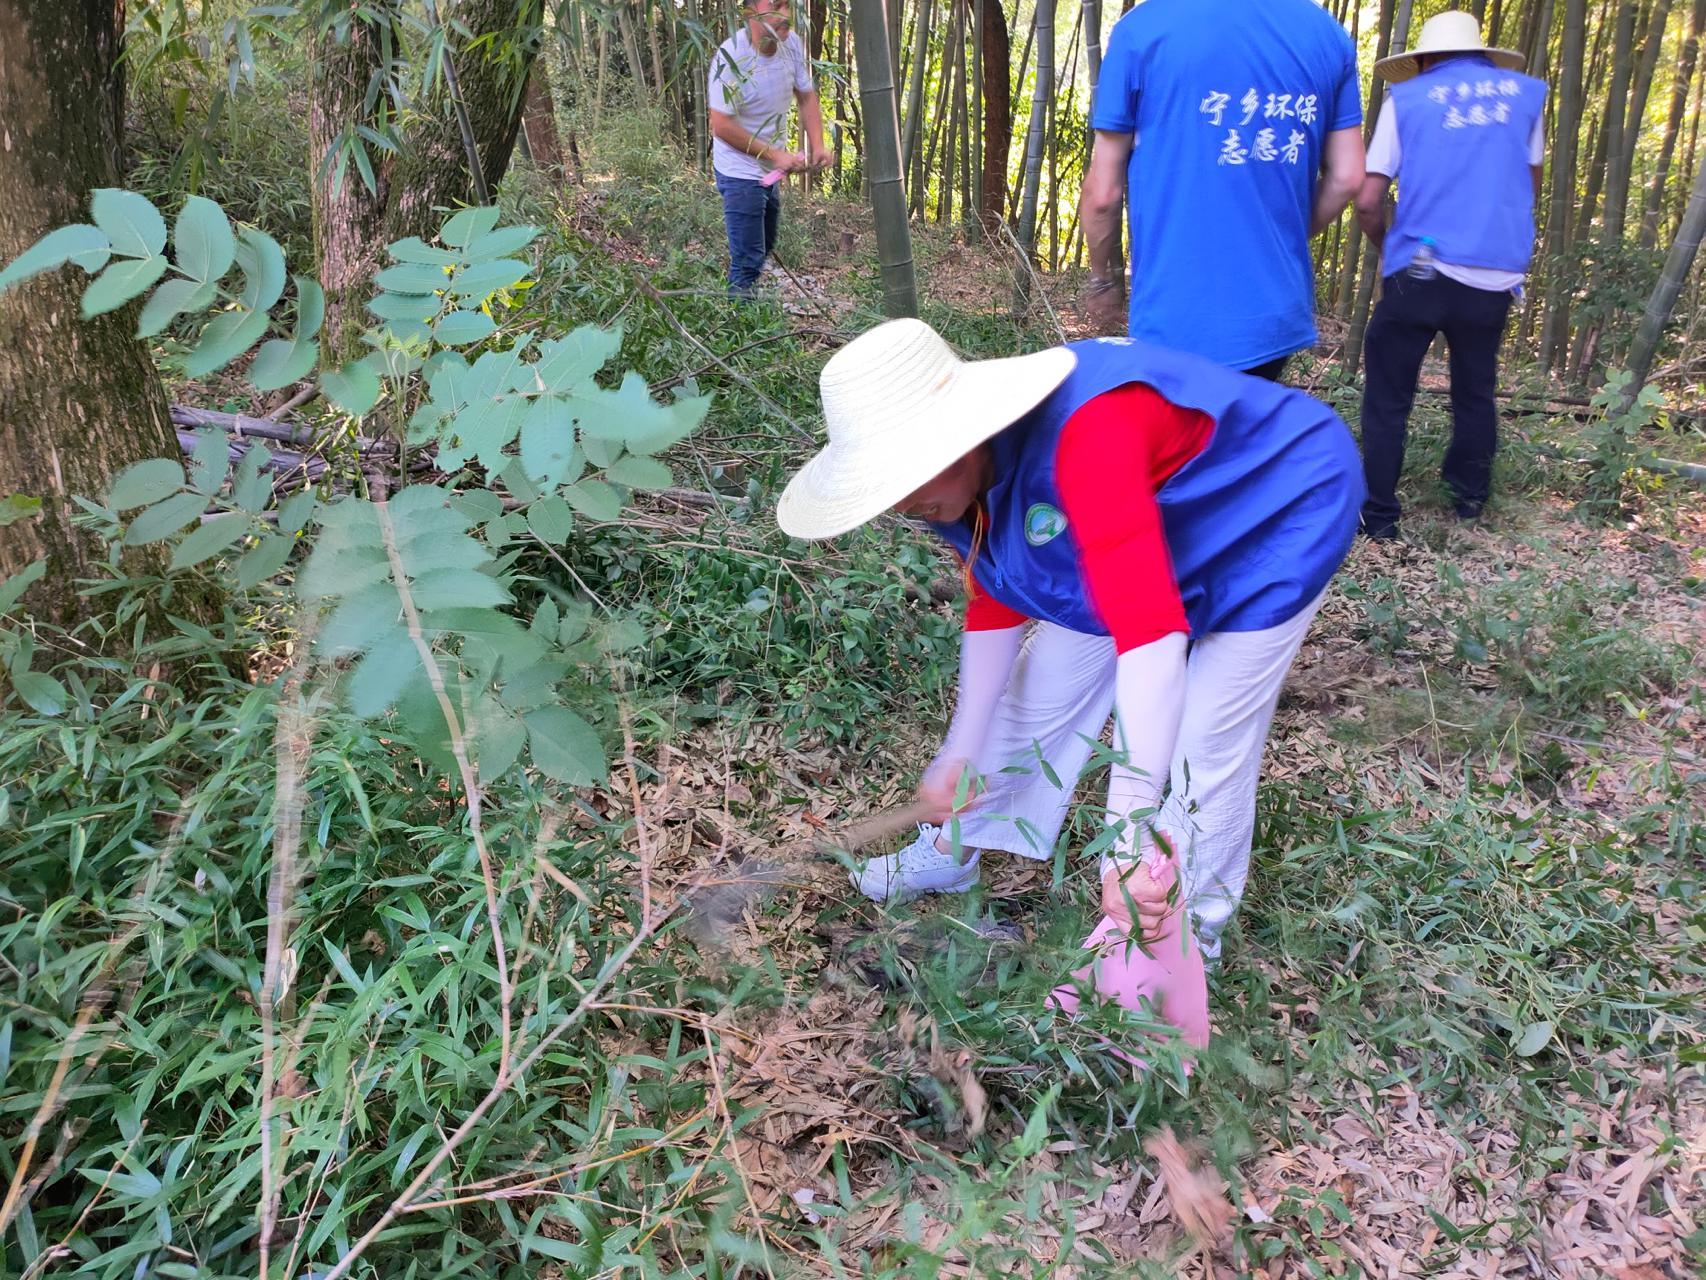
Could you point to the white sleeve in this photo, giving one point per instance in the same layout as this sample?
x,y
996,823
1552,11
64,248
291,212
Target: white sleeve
x,y
1383,146
986,664
1537,141
1149,702
803,82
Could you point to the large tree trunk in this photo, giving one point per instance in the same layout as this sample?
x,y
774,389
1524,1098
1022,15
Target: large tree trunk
x,y
81,399
995,49
349,215
1678,104
539,125
433,172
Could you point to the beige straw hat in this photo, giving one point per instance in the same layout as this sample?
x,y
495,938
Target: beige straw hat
x,y
900,408
1451,32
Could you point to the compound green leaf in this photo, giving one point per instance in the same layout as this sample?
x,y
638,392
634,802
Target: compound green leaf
x,y
122,280
163,519
132,223
565,747
86,246
209,539
144,482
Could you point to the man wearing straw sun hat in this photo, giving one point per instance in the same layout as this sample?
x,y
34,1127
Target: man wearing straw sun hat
x,y
1466,128
1142,531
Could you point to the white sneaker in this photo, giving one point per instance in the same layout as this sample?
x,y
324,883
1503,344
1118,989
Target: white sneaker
x,y
918,869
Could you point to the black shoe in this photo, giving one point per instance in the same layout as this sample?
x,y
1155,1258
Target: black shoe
x,y
1467,511
1381,532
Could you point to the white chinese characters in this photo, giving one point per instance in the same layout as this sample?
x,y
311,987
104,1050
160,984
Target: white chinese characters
x,y
1265,148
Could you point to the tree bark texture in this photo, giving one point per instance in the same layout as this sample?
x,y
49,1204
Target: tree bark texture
x,y
432,173
349,218
79,399
539,124
1397,37
995,49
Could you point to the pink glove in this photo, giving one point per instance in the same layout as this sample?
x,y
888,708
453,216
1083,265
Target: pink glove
x,y
1166,970
773,177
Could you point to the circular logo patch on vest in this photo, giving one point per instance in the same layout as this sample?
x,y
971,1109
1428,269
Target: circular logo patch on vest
x,y
1043,524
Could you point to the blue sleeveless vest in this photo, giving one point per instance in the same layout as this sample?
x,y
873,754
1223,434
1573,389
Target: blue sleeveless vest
x,y
1463,130
1256,523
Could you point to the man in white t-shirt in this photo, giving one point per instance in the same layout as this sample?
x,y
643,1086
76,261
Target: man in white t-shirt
x,y
754,74
1467,128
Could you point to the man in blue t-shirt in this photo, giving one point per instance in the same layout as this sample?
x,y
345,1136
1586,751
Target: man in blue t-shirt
x,y
1234,129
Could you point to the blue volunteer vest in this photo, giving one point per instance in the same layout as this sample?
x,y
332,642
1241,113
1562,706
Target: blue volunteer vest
x,y
1463,130
1255,524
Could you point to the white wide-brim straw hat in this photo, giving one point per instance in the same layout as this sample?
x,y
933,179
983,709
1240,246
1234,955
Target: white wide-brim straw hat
x,y
1451,32
900,408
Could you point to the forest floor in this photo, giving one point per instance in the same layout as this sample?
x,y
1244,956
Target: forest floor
x,y
1458,1025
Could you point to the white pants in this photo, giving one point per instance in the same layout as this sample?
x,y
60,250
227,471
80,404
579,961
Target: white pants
x,y
1052,714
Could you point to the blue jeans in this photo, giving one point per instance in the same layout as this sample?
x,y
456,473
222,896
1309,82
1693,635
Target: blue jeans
x,y
752,214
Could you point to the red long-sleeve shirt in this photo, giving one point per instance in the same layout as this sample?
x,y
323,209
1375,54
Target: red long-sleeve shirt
x,y
1114,455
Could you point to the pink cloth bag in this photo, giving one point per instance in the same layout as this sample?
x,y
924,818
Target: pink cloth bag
x,y
1166,969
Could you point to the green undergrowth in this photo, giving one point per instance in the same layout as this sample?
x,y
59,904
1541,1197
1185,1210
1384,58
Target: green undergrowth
x,y
1450,929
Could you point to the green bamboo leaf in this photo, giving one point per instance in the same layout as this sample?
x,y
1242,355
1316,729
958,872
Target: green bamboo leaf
x,y
467,225
203,239
262,561
119,283
460,328
45,695
131,222
353,388
145,482
1534,1037
565,747
81,244
209,539
163,519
